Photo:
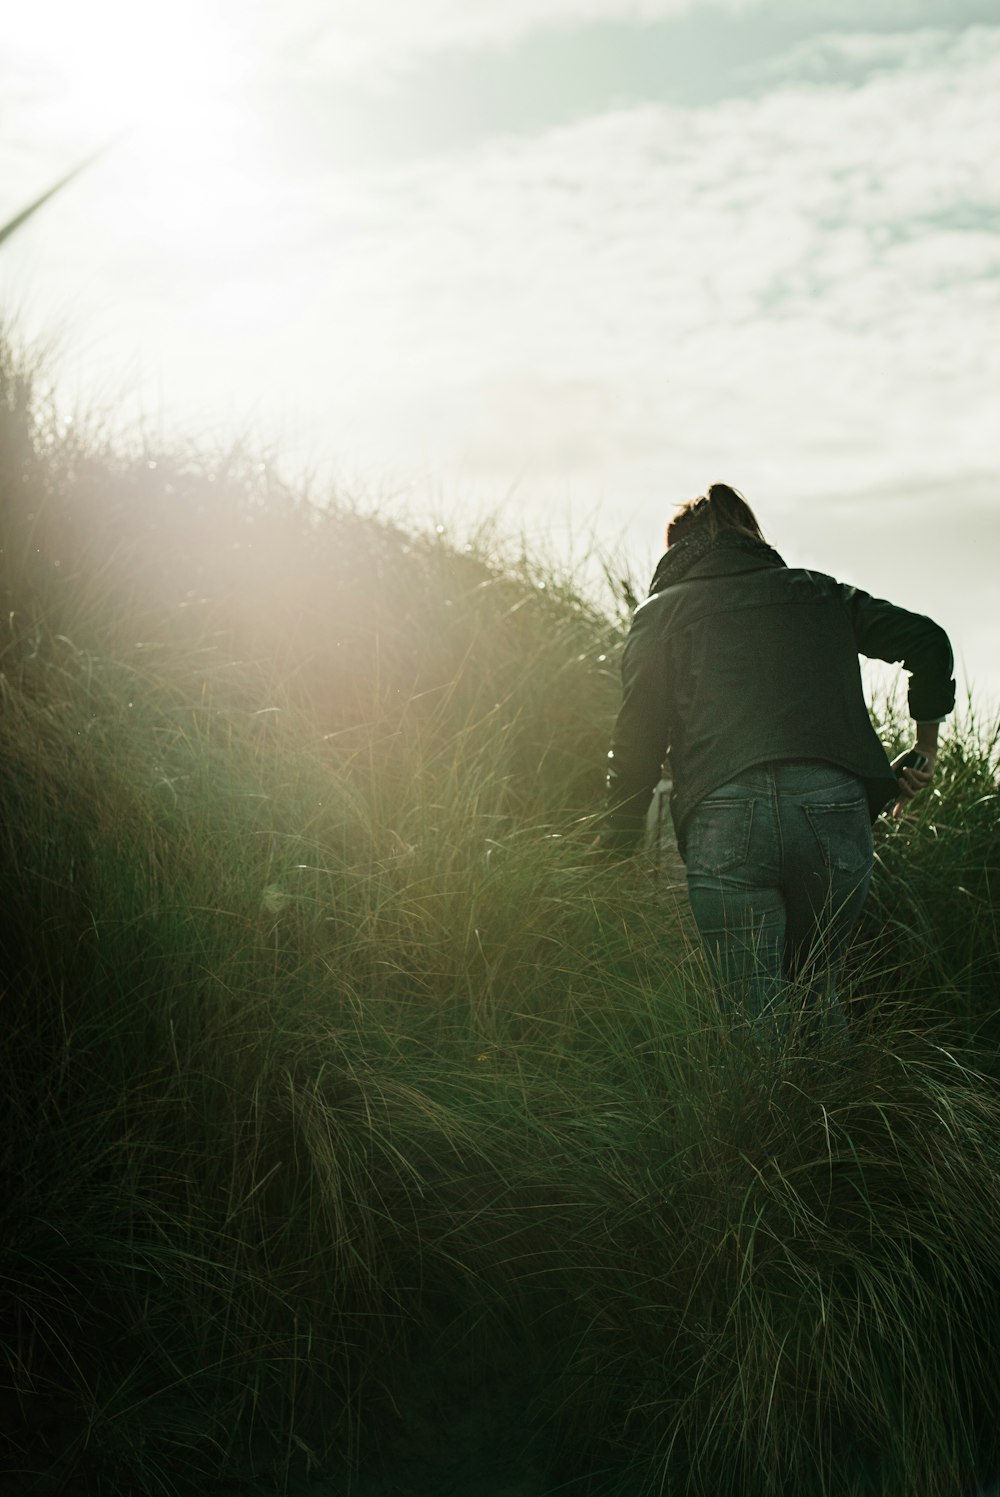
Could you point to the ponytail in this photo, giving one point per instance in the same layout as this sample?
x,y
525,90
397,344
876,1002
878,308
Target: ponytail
x,y
719,509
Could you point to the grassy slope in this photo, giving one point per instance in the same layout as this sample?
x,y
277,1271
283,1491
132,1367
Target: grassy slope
x,y
343,1096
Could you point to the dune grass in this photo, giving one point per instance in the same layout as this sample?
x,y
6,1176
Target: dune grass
x,y
355,1121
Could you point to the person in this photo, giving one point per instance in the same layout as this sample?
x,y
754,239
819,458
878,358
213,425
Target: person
x,y
744,672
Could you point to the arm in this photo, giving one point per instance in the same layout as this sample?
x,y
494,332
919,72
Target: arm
x,y
641,733
884,632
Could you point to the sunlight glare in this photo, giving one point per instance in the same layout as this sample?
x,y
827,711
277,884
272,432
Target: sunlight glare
x,y
115,65
169,87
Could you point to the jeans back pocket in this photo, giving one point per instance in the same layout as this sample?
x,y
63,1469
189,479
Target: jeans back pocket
x,y
718,836
844,834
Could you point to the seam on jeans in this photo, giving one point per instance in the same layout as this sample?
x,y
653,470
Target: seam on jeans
x,y
776,811
856,803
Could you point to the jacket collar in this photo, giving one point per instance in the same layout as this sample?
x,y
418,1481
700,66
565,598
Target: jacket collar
x,y
696,558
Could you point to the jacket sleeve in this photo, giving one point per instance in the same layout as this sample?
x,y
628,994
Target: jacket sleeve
x,y
641,734
884,632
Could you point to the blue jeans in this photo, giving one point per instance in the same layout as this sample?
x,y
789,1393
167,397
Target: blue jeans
x,y
778,867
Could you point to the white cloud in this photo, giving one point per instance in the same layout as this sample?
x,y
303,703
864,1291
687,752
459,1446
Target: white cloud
x,y
795,254
379,37
836,56
385,35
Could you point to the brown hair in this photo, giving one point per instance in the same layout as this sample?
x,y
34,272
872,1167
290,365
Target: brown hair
x,y
719,508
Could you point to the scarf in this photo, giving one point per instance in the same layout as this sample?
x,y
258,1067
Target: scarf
x,y
682,555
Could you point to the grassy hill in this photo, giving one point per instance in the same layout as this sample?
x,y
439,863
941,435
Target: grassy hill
x,y
355,1122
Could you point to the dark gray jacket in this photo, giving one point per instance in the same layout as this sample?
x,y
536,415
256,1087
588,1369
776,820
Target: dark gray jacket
x,y
746,660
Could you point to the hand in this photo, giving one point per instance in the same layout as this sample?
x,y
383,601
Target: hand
x,y
911,782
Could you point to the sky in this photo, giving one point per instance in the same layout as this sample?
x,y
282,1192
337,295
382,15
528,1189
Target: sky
x,y
565,262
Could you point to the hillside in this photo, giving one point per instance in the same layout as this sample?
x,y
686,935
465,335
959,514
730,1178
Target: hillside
x,y
356,1124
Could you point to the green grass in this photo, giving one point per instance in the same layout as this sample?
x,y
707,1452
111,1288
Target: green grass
x,y
352,1115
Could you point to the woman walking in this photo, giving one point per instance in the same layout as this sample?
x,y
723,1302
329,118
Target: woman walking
x,y
746,672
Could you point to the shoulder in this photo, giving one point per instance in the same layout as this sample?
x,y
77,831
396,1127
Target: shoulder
x,y
651,625
652,613
808,585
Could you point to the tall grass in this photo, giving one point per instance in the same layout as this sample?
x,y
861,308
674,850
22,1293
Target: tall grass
x,y
353,1116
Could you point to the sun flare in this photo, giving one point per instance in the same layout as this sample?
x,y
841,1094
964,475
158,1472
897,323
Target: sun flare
x,y
114,65
168,87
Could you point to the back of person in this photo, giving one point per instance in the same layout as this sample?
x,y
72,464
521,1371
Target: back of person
x,y
746,673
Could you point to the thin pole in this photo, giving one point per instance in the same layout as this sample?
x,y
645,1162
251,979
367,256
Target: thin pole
x,y
32,208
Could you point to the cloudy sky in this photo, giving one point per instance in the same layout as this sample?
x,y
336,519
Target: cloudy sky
x,y
566,260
